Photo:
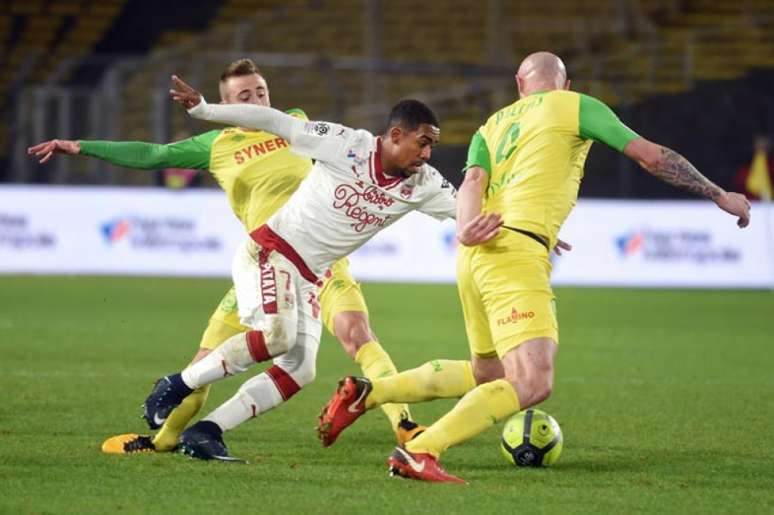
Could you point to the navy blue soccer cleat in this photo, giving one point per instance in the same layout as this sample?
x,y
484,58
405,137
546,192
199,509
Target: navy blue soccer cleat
x,y
204,441
167,394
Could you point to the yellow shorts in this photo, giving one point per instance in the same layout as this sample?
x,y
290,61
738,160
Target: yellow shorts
x,y
340,292
505,292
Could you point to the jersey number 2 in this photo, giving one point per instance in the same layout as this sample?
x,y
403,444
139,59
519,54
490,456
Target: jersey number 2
x,y
508,143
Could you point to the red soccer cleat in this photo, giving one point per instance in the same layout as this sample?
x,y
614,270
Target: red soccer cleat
x,y
421,466
346,406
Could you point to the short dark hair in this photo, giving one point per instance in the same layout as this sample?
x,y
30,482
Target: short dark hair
x,y
410,114
239,68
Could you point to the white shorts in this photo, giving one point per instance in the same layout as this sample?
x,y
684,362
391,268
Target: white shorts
x,y
267,284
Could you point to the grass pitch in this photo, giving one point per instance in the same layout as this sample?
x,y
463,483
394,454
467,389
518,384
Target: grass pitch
x,y
666,400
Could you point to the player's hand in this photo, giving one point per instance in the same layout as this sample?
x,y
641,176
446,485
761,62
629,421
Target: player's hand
x,y
480,230
736,204
560,246
184,94
46,150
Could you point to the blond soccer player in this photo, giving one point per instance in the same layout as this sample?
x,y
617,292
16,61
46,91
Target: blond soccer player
x,y
259,173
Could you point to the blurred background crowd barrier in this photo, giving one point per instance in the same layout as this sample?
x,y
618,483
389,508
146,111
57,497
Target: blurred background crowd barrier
x,y
161,232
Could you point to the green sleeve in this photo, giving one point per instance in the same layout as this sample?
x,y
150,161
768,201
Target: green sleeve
x,y
478,154
189,153
298,113
599,123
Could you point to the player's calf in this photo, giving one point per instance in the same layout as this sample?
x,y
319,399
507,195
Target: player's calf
x,y
352,330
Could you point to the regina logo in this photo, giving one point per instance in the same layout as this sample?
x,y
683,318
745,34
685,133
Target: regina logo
x,y
115,230
515,316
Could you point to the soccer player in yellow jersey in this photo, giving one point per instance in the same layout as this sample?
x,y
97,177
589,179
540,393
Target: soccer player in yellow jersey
x,y
522,177
258,173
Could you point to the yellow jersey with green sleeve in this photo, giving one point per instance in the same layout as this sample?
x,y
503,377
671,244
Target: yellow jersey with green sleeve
x,y
257,170
534,151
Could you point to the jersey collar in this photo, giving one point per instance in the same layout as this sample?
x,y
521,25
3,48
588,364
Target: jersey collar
x,y
375,166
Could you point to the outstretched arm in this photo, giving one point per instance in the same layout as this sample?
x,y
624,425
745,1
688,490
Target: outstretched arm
x,y
672,168
241,115
598,122
189,153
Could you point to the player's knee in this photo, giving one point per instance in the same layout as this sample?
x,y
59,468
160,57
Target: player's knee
x,y
280,334
532,386
298,363
543,381
305,374
542,388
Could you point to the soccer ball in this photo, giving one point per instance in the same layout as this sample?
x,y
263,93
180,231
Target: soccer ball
x,y
531,438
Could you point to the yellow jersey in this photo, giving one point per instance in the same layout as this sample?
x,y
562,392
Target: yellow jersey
x,y
256,169
534,151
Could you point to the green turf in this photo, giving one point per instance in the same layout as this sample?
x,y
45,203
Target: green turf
x,y
666,399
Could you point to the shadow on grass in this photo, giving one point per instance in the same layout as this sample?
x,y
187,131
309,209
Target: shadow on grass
x,y
730,466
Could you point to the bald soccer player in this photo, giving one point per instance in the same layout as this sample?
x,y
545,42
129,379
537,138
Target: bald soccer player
x,y
524,165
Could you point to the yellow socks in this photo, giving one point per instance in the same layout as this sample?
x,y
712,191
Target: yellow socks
x,y
439,379
376,363
478,410
166,438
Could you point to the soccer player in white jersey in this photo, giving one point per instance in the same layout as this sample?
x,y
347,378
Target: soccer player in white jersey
x,y
360,184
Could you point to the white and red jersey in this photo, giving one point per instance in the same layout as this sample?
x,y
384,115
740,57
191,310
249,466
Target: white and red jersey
x,y
346,198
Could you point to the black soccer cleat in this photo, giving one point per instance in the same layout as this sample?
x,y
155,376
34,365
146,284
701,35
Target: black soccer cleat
x,y
167,394
204,441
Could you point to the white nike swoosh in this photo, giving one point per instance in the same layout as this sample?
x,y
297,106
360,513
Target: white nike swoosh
x,y
158,421
418,467
352,408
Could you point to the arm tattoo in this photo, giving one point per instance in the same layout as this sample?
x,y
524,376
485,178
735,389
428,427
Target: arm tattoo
x,y
678,171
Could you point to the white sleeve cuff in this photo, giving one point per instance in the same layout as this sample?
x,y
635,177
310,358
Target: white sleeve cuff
x,y
199,111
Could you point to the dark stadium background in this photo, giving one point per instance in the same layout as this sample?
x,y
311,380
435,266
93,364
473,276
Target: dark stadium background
x,y
697,75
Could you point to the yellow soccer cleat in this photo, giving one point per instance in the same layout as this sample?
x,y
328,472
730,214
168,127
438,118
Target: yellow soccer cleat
x,y
408,430
128,444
